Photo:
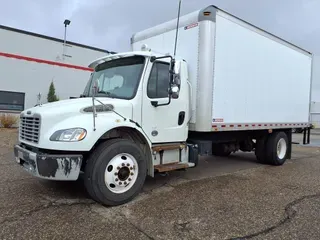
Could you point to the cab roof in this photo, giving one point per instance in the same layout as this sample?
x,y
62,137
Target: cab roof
x,y
120,55
125,54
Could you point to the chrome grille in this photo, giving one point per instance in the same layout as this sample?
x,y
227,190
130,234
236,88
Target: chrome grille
x,y
30,128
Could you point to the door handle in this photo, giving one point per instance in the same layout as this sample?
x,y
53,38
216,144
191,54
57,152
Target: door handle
x,y
181,117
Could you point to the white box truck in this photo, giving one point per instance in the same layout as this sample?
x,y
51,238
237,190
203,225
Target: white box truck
x,y
230,87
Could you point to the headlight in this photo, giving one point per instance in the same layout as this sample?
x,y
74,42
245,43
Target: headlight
x,y
69,135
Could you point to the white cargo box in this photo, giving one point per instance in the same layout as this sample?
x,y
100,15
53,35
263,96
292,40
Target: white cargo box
x,y
242,77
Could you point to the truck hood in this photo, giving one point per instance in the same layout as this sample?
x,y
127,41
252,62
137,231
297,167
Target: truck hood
x,y
70,107
72,113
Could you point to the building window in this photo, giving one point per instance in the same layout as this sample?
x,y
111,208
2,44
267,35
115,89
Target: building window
x,y
12,101
158,83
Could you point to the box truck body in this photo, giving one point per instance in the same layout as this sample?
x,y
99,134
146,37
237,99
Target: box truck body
x,y
230,87
241,76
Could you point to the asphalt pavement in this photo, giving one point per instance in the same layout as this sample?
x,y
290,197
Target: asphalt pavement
x,y
223,198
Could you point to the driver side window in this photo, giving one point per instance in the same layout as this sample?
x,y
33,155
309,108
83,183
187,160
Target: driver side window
x,y
158,83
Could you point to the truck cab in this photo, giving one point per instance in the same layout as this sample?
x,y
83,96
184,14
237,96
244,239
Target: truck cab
x,y
144,81
131,120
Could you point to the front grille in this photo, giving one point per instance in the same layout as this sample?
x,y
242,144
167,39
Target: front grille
x,y
30,128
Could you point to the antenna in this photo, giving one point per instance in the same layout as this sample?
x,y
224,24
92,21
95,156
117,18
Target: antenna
x,y
177,30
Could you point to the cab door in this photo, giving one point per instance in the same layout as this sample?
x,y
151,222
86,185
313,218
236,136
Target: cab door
x,y
167,123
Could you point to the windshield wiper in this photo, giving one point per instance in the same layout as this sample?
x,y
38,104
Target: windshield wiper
x,y
108,94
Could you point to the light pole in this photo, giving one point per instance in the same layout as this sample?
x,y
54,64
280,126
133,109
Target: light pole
x,y
66,23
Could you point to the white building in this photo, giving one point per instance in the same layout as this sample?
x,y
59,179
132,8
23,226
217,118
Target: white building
x,y
29,62
315,97
315,114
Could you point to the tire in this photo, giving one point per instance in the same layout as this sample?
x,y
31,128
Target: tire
x,y
277,148
125,167
219,150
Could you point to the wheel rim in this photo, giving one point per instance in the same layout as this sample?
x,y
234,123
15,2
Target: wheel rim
x,y
281,148
121,173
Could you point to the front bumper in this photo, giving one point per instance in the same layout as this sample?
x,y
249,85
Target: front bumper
x,y
48,166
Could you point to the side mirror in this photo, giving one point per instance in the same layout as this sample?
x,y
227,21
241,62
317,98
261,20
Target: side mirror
x,y
175,86
174,91
176,73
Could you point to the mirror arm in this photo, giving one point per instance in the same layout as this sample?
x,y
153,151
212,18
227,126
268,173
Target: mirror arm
x,y
153,58
155,103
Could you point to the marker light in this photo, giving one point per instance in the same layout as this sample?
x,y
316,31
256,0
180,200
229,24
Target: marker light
x,y
144,47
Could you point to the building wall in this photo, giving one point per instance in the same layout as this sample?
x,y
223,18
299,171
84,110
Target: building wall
x,y
315,114
28,64
315,119
316,79
37,47
33,78
315,93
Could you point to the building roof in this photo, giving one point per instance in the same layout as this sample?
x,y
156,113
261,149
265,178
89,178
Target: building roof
x,y
54,39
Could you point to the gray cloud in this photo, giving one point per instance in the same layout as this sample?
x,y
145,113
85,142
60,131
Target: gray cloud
x,y
109,24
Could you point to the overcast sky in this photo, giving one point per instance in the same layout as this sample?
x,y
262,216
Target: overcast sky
x,y
109,24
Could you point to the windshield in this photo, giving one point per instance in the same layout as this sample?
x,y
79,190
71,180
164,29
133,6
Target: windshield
x,y
117,78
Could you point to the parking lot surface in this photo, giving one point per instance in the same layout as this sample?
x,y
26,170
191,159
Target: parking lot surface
x,y
223,198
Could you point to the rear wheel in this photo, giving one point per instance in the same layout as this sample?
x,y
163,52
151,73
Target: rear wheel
x,y
115,172
277,148
273,149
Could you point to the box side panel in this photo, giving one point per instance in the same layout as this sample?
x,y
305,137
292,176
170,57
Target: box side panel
x,y
258,80
205,76
165,27
187,48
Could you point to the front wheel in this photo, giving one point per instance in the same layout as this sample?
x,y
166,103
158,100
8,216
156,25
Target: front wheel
x,y
115,172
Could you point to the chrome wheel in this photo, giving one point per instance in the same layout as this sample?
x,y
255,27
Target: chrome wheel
x,y
121,173
281,148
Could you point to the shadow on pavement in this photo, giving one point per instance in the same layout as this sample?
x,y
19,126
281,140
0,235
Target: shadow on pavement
x,y
209,166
